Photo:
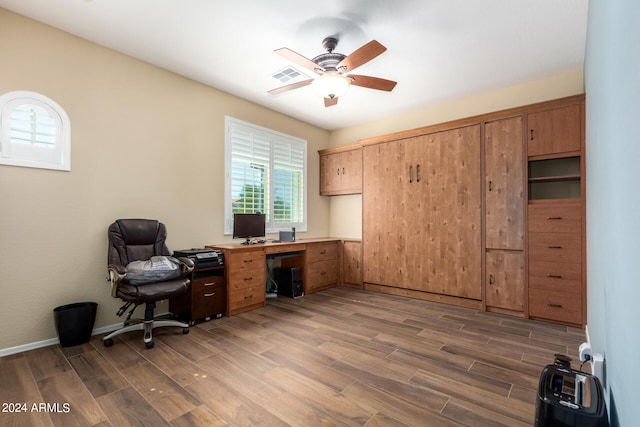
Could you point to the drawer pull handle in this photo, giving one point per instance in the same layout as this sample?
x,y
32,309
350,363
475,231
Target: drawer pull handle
x,y
248,296
554,217
554,247
210,284
247,261
554,276
322,273
322,252
246,279
554,305
209,294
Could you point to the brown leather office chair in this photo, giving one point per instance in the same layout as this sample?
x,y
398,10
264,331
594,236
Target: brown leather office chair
x,y
139,240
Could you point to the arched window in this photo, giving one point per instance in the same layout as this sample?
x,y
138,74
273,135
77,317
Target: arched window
x,y
34,132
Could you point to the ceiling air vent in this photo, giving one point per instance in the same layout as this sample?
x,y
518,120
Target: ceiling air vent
x,y
289,75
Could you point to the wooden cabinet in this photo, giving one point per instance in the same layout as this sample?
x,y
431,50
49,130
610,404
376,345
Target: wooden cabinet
x,y
504,215
351,263
246,280
340,171
321,266
206,297
421,214
556,214
555,261
555,131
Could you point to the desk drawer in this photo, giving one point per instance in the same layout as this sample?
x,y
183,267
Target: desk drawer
x,y
249,260
322,273
204,283
322,251
557,247
247,278
561,218
243,298
553,305
208,302
556,276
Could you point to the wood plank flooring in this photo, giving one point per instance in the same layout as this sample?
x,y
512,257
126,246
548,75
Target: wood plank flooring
x,y
340,357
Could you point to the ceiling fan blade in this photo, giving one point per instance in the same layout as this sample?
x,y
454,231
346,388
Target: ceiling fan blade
x,y
372,82
328,102
289,87
361,56
299,59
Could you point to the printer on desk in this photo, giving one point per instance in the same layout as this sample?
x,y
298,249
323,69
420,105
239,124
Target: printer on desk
x,y
202,258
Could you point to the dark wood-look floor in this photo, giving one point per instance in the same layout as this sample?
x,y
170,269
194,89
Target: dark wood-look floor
x,y
337,357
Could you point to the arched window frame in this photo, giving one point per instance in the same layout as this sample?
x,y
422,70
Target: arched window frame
x,y
32,152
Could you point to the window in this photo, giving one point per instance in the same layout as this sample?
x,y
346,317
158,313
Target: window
x,y
265,171
34,132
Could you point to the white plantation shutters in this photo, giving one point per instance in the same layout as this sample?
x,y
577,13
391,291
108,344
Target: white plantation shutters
x,y
265,172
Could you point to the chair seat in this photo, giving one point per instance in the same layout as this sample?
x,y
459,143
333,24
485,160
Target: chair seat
x,y
151,292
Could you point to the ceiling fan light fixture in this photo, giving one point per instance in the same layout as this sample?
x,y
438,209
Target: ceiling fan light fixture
x,y
331,85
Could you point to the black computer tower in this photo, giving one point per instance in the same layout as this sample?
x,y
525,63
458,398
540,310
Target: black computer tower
x,y
289,281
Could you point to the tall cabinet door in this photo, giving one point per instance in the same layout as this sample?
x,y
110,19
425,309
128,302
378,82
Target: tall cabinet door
x,y
384,204
450,212
504,184
504,215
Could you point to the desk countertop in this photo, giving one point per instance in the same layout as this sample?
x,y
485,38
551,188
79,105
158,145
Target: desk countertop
x,y
270,246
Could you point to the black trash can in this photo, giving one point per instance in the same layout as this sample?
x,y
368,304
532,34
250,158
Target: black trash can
x,y
74,322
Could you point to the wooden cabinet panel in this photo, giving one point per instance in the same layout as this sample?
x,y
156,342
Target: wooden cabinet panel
x,y
246,299
352,255
504,184
241,279
322,251
505,281
555,305
240,261
555,276
320,275
555,131
555,218
421,213
341,172
559,247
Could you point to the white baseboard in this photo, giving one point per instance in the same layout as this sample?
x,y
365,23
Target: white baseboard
x,y
52,341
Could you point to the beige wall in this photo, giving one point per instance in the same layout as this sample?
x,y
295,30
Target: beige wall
x,y
570,83
145,143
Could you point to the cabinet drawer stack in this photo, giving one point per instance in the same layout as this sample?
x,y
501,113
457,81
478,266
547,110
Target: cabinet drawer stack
x,y
322,266
206,297
555,261
246,281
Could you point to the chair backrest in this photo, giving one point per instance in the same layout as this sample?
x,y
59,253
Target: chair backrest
x,y
136,240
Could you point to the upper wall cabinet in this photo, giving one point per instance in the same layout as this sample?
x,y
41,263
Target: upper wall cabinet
x,y
554,131
341,171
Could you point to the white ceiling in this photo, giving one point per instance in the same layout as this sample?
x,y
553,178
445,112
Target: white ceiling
x,y
438,50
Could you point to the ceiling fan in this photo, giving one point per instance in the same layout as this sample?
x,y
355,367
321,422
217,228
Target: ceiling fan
x,y
333,70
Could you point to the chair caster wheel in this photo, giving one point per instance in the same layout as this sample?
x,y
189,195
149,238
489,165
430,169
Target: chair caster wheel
x,y
185,330
108,343
149,344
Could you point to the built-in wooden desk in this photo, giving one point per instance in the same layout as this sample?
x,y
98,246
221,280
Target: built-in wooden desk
x,y
246,268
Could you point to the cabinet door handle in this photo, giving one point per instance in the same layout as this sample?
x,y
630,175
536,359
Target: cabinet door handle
x,y
490,186
554,247
338,171
553,217
342,171
209,294
554,305
531,134
491,279
410,174
417,173
554,276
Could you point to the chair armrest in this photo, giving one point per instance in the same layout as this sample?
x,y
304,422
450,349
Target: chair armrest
x,y
115,274
186,265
